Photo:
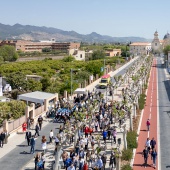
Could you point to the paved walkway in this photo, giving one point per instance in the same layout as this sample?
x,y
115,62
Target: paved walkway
x,y
150,112
15,154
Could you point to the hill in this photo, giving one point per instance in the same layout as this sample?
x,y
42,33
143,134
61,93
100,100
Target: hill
x,y
36,33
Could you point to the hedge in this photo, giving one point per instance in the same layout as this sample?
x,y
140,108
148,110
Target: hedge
x,y
126,167
127,154
131,140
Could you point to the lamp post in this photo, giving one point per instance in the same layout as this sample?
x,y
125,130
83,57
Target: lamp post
x,y
71,72
104,66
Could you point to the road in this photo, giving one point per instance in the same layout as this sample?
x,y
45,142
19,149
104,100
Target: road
x,y
121,72
164,115
20,156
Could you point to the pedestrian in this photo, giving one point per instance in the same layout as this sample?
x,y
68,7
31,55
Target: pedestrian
x,y
1,143
81,163
28,123
71,167
104,135
92,142
104,158
40,121
147,144
37,130
24,127
99,163
44,143
153,157
32,143
114,136
74,162
51,136
148,124
2,136
86,131
77,147
85,166
43,159
56,141
28,137
96,124
112,161
153,143
145,154
36,160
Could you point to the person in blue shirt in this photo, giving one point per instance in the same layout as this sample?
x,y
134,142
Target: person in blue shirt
x,y
104,135
153,157
32,143
99,163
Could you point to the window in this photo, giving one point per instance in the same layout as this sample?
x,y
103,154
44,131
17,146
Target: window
x,y
80,55
155,44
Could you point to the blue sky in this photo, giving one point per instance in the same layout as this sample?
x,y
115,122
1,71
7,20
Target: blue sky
x,y
117,18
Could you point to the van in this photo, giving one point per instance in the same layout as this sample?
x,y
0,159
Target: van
x,y
105,80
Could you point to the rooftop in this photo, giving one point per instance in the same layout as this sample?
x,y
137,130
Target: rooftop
x,y
140,44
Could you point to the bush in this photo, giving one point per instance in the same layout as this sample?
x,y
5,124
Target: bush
x,y
126,167
131,140
127,154
141,101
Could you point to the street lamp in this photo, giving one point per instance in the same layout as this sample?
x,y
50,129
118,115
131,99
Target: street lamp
x,y
71,72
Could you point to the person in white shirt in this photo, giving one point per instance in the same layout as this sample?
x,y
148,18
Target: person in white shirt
x,y
56,140
51,136
148,144
71,167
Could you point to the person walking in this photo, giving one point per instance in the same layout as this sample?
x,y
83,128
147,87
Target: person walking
x,y
153,157
148,124
153,143
114,135
112,161
37,130
99,163
2,139
28,137
51,136
104,159
71,167
32,143
145,154
24,127
147,144
104,135
44,143
40,121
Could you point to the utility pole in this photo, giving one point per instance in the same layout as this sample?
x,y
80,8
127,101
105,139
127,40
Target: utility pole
x,y
104,66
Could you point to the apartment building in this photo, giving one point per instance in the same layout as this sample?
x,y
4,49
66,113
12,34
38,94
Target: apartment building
x,y
29,46
113,52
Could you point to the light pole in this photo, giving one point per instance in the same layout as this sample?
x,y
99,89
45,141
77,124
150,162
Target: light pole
x,y
71,72
104,66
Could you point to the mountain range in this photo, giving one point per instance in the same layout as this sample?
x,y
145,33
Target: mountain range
x,y
37,33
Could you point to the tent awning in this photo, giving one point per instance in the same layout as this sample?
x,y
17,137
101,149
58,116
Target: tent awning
x,y
80,91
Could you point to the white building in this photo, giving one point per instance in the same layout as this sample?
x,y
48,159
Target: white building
x,y
156,44
77,54
140,48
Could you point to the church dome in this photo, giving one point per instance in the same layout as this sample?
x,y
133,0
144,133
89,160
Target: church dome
x,y
166,36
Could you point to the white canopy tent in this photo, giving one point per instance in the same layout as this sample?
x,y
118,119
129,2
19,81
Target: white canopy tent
x,y
35,97
80,91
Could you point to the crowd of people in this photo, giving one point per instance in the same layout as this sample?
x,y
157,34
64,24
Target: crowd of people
x,y
150,149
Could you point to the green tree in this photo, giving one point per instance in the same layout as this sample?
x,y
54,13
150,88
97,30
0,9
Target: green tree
x,y
17,80
94,67
98,54
34,85
17,108
68,58
45,83
82,75
166,49
8,53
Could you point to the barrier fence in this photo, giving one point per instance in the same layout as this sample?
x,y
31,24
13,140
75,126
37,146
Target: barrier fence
x,y
39,110
16,123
